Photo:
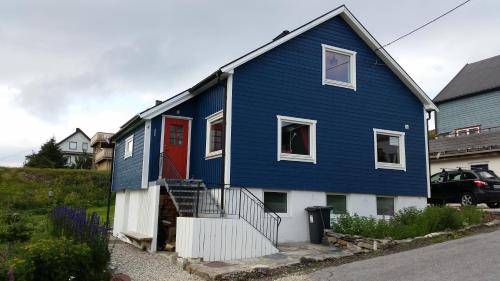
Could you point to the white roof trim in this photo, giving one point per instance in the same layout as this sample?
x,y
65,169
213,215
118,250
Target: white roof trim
x,y
363,33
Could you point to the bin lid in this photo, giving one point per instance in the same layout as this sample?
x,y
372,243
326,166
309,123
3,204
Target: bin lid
x,y
317,208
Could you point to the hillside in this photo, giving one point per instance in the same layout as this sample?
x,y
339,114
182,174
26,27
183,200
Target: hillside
x,y
27,189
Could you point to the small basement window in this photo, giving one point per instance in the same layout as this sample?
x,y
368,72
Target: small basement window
x,y
389,149
385,206
339,67
73,145
129,146
296,139
276,201
337,202
215,134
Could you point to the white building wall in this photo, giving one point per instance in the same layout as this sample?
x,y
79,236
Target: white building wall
x,y
137,210
492,161
79,138
294,225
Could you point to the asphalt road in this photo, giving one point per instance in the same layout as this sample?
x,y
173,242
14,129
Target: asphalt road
x,y
474,258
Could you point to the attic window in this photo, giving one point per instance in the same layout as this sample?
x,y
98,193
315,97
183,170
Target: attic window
x,y
129,146
339,67
72,145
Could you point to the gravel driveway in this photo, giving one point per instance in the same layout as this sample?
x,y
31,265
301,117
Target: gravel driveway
x,y
144,266
472,258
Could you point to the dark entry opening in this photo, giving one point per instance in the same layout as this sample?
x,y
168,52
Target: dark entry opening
x,y
167,219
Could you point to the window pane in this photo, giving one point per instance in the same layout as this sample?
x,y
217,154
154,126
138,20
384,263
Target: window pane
x,y
388,149
216,133
385,206
337,67
454,176
276,201
294,138
337,202
437,178
85,146
468,176
72,145
176,134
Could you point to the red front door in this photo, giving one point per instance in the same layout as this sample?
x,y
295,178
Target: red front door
x,y
175,148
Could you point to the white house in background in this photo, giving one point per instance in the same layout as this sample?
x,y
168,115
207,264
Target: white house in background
x,y
75,145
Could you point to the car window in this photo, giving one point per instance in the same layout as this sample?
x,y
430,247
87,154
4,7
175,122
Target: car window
x,y
468,176
454,176
487,175
437,178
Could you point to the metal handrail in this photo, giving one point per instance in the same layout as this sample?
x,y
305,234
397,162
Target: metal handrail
x,y
171,172
241,202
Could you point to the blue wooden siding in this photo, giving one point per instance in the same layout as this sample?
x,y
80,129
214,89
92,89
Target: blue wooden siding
x,y
198,108
127,173
474,110
288,81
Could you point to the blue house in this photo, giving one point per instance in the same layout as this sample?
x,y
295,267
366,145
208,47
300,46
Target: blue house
x,y
321,115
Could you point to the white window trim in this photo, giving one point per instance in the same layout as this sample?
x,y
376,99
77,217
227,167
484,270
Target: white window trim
x,y
210,119
76,145
288,201
312,140
128,154
467,130
394,198
352,68
402,154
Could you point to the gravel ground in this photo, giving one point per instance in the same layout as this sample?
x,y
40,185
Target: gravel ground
x,y
144,266
471,258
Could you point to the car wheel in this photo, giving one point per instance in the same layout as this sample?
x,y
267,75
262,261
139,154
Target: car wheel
x,y
493,205
468,199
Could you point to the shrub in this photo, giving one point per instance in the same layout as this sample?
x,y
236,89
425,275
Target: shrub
x,y
74,199
472,215
73,223
409,222
54,260
14,227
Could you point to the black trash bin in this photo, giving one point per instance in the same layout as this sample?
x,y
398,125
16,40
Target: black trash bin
x,y
319,219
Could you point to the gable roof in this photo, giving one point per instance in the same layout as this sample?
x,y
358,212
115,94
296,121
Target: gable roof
x,y
78,130
474,78
228,68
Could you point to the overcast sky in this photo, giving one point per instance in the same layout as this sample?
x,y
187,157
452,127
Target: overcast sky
x,y
94,64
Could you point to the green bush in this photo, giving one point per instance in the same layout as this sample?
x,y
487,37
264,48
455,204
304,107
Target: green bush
x,y
14,227
56,260
74,199
409,222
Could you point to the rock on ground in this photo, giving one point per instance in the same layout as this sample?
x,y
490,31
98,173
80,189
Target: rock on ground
x,y
144,266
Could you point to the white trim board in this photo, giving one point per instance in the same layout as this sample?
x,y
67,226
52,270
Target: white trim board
x,y
145,155
427,166
227,130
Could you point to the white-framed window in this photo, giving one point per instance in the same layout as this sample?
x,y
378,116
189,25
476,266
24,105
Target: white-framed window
x,y
276,201
296,139
129,146
73,145
85,146
215,135
339,67
468,131
385,206
389,149
338,202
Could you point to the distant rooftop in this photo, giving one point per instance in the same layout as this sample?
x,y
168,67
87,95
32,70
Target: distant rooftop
x,y
487,141
474,78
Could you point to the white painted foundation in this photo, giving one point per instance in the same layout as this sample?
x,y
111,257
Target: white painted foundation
x,y
294,226
216,239
137,210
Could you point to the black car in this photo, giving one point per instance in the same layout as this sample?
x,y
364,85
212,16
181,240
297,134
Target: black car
x,y
468,187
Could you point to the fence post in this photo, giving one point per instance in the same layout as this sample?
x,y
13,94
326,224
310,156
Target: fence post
x,y
239,205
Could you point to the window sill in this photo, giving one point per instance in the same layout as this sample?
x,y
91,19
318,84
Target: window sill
x,y
339,84
212,155
390,167
296,157
127,156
